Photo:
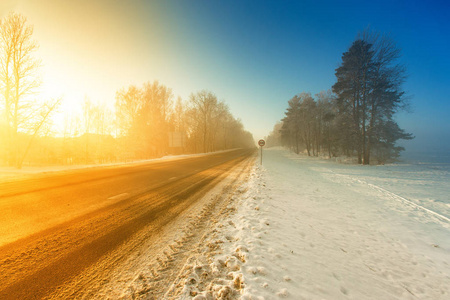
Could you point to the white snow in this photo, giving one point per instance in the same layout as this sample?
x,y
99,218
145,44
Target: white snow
x,y
308,228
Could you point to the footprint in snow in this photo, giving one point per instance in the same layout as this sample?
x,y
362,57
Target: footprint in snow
x,y
344,290
283,293
336,276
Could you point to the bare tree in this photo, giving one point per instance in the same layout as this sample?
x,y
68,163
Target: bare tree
x,y
203,105
148,117
157,105
128,106
39,122
18,80
211,125
144,115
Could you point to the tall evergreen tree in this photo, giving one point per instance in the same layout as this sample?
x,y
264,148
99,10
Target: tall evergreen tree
x,y
369,92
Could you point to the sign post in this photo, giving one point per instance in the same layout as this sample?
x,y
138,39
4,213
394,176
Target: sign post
x,y
261,144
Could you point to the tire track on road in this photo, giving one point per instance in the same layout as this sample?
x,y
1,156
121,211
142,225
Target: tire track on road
x,y
34,267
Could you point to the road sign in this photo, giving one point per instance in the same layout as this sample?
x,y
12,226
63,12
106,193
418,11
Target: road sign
x,y
261,143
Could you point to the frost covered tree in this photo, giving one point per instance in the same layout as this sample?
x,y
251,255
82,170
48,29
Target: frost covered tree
x,y
274,138
290,131
308,124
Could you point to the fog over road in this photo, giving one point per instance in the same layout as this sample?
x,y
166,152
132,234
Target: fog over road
x,y
54,228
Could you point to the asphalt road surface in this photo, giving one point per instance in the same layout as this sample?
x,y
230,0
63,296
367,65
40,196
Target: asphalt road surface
x,y
53,227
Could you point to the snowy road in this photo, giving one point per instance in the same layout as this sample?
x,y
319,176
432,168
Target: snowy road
x,y
64,235
308,228
297,228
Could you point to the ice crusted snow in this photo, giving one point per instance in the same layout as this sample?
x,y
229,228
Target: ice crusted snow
x,y
306,228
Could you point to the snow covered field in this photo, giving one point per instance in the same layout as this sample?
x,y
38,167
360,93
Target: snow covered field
x,y
307,228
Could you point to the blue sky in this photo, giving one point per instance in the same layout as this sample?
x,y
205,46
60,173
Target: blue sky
x,y
254,55
258,54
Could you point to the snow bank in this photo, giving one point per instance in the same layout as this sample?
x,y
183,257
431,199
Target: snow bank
x,y
305,228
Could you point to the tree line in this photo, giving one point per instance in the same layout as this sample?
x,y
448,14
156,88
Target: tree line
x,y
146,121
356,117
150,123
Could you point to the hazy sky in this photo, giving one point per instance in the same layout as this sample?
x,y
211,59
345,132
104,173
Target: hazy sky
x,y
255,55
